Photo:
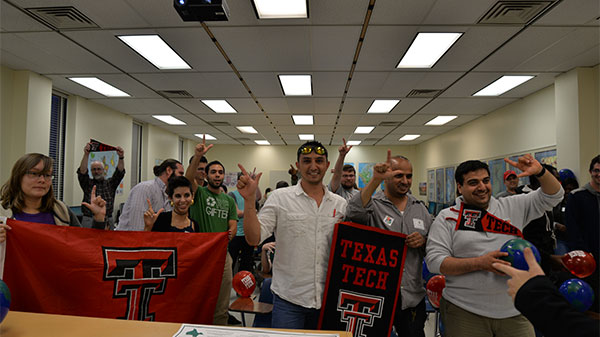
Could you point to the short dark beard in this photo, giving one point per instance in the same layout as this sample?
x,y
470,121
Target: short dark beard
x,y
216,187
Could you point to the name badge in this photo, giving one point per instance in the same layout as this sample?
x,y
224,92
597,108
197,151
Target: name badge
x,y
419,224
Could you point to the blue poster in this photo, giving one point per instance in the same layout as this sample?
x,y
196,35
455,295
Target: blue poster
x,y
450,185
431,185
497,168
440,184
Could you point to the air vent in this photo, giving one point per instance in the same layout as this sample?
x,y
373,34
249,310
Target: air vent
x,y
247,140
514,12
62,18
371,140
174,93
389,124
424,93
219,123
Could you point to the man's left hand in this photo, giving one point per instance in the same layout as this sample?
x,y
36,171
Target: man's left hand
x,y
120,152
415,240
527,164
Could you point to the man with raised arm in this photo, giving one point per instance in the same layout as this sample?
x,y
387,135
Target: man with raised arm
x,y
464,242
106,188
214,211
302,217
395,209
343,181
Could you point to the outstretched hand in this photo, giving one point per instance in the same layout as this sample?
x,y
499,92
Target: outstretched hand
x,y
248,183
527,164
344,149
519,277
201,148
97,206
150,217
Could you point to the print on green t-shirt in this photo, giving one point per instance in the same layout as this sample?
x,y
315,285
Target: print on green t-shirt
x,y
212,211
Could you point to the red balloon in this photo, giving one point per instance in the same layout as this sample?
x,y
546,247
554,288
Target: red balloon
x,y
244,283
435,285
579,263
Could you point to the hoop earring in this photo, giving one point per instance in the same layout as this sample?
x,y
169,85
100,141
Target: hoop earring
x,y
192,201
172,204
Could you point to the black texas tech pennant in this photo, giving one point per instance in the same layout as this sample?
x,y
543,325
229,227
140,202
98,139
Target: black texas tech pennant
x,y
479,220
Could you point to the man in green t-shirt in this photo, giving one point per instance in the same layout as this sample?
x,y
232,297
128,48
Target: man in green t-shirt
x,y
214,211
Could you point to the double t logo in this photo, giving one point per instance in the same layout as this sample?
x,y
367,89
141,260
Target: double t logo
x,y
359,310
139,273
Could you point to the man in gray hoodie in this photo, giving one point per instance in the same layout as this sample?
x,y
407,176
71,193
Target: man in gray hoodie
x,y
465,240
397,210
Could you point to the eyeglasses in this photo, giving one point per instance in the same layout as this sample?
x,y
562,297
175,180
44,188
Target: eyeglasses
x,y
38,175
596,171
308,149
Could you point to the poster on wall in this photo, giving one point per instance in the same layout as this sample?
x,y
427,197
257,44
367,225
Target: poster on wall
x,y
546,157
440,184
431,185
230,180
497,168
365,173
423,188
450,185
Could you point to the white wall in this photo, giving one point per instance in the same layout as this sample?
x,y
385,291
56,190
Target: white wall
x,y
157,145
25,116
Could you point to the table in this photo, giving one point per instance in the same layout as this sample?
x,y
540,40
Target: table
x,y
245,305
25,324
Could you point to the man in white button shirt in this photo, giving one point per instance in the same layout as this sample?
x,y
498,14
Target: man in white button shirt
x,y
302,218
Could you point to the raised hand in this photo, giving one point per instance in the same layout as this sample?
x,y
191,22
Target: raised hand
x,y
526,163
201,148
519,277
383,170
248,183
87,148
150,217
120,151
343,150
292,171
97,206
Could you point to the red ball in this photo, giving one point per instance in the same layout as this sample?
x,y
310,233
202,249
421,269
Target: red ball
x,y
244,283
579,263
435,285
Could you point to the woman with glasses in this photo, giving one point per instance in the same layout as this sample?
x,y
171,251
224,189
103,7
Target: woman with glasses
x,y
28,196
179,191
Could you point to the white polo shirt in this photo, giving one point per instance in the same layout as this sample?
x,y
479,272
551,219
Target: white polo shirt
x,y
303,233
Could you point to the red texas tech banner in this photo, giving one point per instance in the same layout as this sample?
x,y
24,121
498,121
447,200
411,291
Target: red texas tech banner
x,y
363,280
167,277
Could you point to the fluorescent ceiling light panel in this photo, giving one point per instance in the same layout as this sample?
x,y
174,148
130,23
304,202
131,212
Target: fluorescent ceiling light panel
x,y
502,85
427,49
246,129
278,9
383,105
409,137
353,142
303,119
99,86
440,120
219,106
155,50
205,136
169,119
364,129
306,137
262,142
296,85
